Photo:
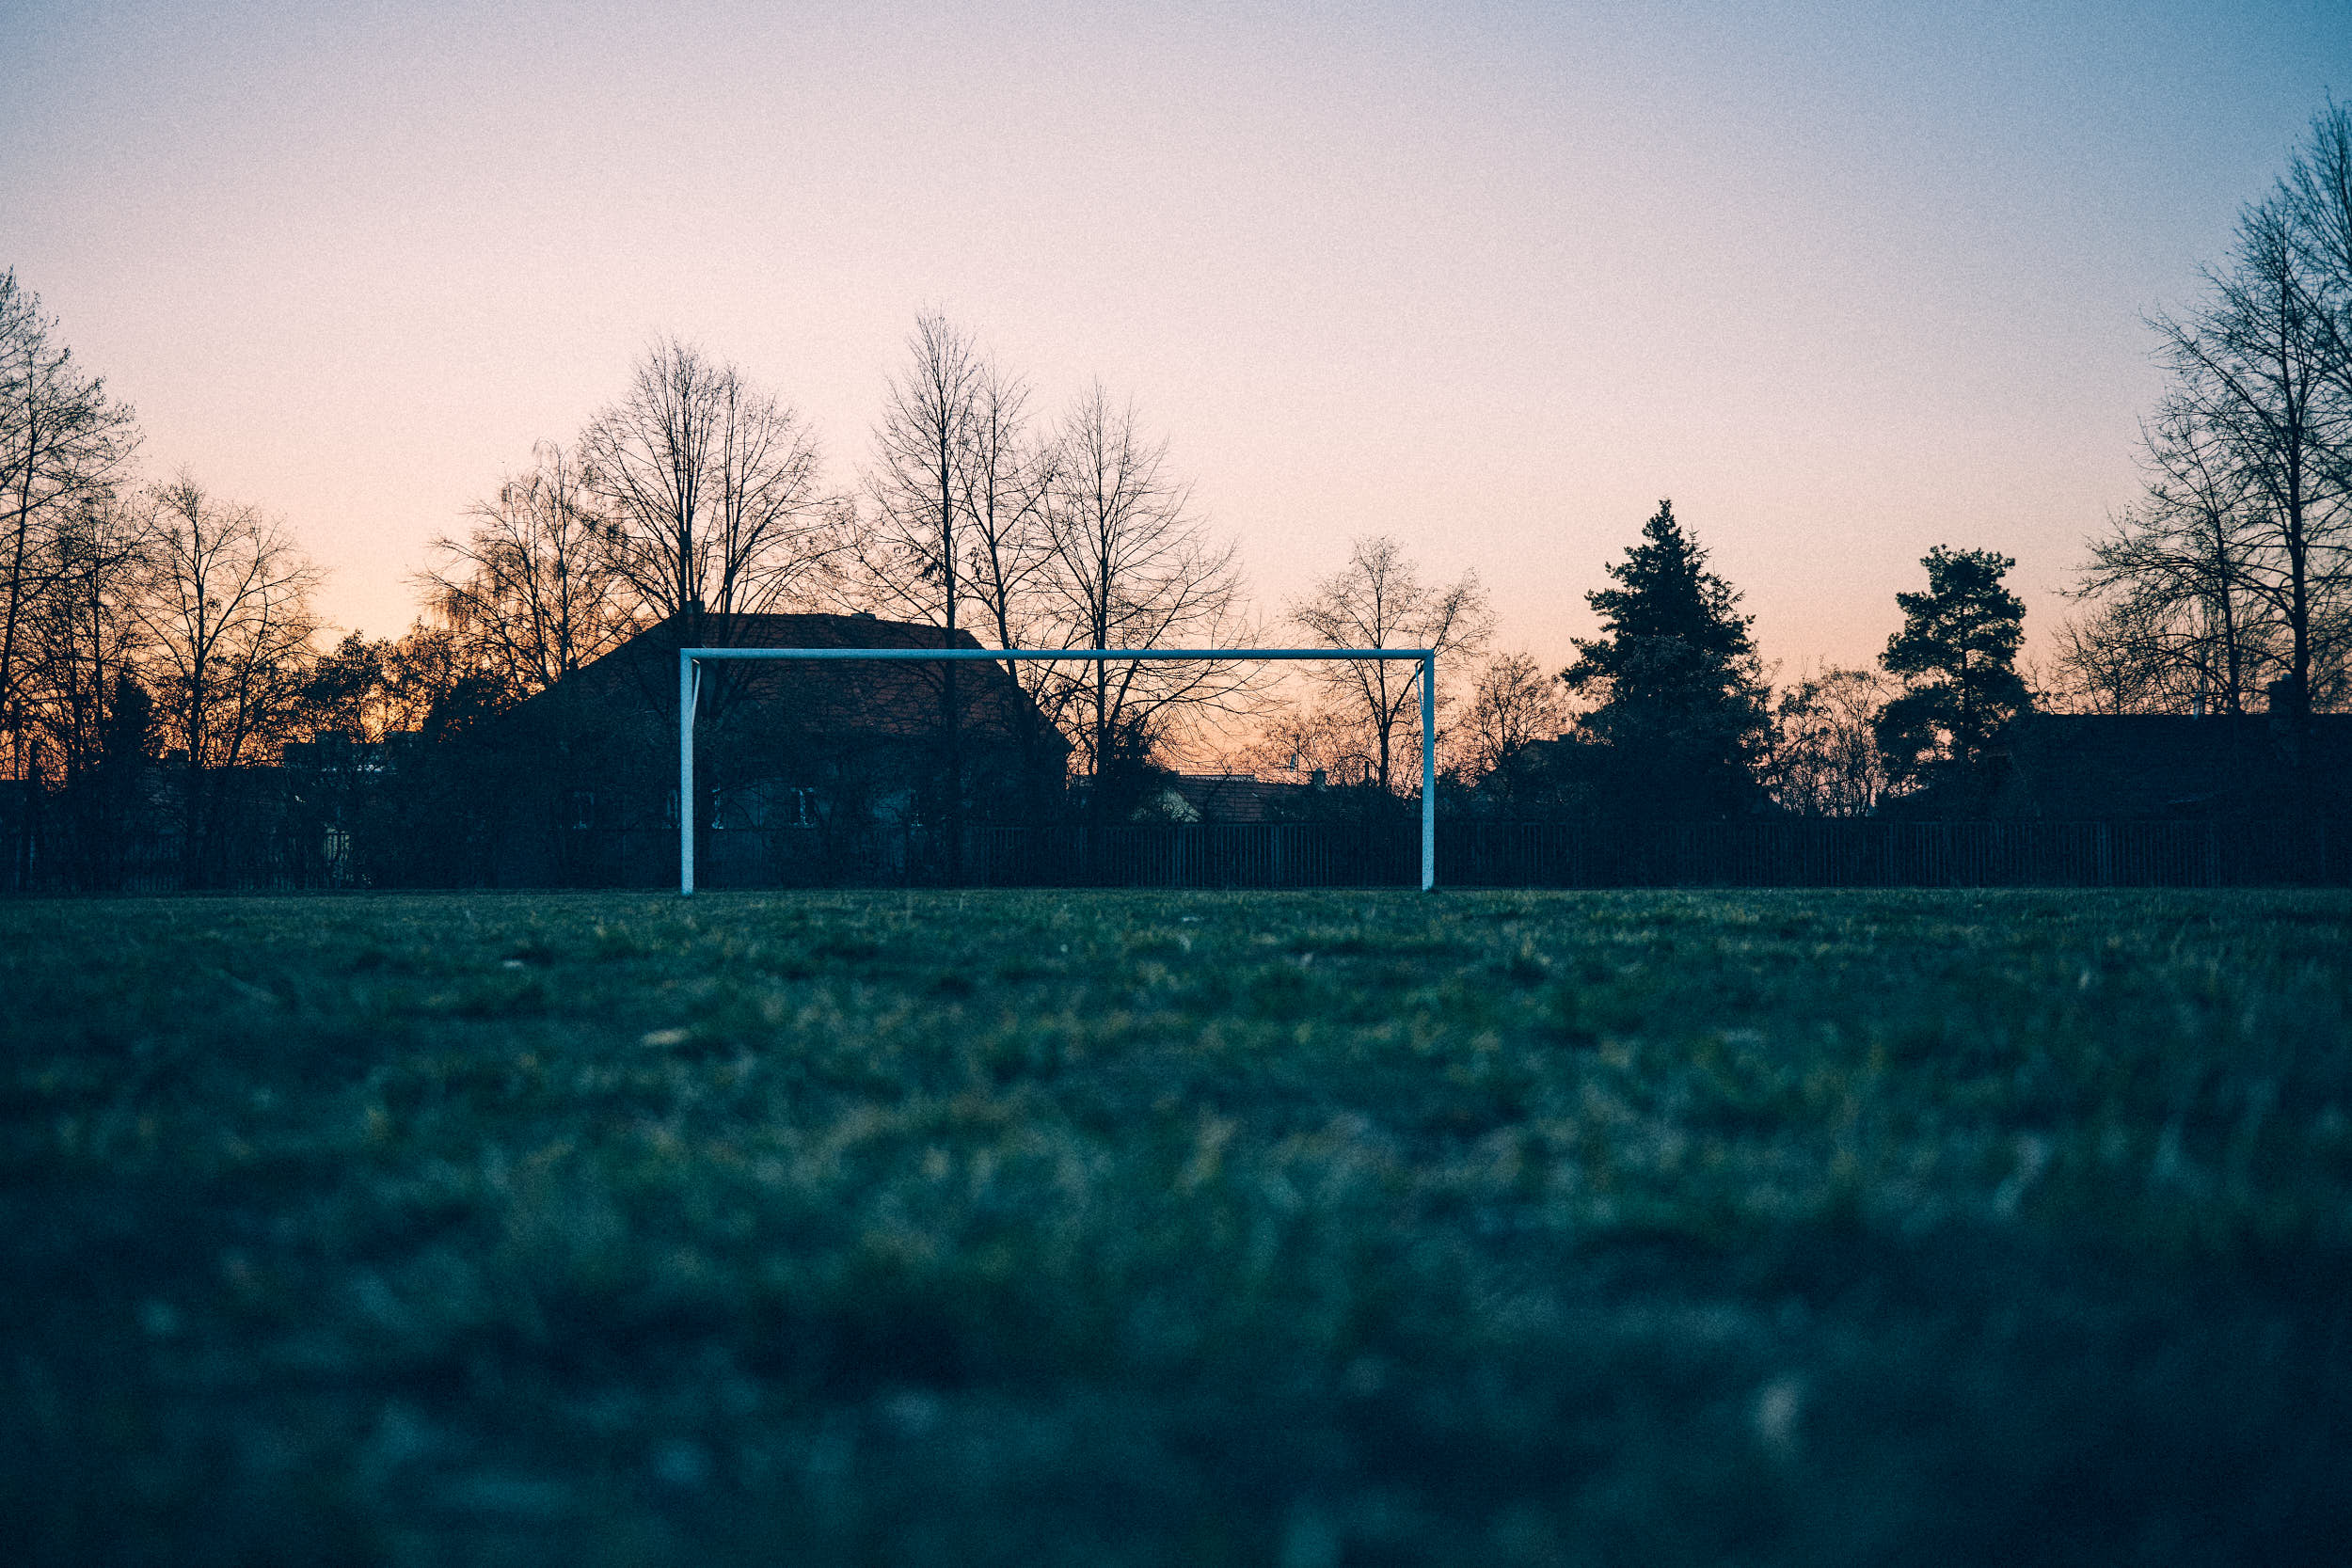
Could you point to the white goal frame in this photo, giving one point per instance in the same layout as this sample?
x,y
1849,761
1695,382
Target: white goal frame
x,y
690,662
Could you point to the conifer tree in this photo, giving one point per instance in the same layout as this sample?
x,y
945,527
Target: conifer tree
x,y
1680,692
1955,655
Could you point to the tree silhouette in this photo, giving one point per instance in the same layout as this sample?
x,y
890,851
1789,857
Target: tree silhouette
x,y
1955,655
1378,600
1680,693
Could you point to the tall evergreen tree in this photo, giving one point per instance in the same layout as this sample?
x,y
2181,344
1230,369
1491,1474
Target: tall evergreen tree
x,y
1680,692
1957,657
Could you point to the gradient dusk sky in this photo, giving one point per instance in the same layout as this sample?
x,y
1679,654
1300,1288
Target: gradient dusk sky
x,y
1844,281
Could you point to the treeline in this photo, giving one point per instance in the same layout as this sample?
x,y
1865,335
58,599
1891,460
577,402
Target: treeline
x,y
157,621
148,620
1668,714
699,495
134,618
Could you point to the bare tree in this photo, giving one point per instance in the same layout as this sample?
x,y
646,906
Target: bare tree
x,y
2233,573
1825,759
64,443
909,555
711,488
1008,544
1007,483
2253,373
1132,567
2114,658
1306,743
2317,198
919,482
78,658
534,586
2316,195
1378,600
227,615
84,636
958,496
1513,702
2178,577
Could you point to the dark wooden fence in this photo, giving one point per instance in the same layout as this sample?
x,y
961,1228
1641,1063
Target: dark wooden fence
x,y
1897,854
1577,855
273,863
1257,854
1298,855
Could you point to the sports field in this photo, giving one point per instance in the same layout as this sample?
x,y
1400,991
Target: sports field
x,y
1183,1229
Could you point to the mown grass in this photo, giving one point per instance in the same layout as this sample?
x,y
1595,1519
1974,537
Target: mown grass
x,y
1179,1228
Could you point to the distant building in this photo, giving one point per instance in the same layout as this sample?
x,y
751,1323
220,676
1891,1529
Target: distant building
x,y
803,768
1227,797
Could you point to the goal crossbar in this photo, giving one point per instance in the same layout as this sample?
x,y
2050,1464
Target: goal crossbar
x,y
690,660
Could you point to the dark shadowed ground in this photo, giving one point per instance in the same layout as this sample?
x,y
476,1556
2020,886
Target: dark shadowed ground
x,y
1183,1229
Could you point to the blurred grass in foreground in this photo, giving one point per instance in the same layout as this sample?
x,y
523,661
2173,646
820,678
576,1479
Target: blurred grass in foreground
x,y
1180,1228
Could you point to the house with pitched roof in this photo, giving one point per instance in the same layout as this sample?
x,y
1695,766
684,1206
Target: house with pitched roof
x,y
1226,798
805,772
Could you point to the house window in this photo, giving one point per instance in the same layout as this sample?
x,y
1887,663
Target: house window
x,y
741,807
749,808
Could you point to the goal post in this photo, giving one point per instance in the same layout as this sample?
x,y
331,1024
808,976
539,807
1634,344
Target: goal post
x,y
690,660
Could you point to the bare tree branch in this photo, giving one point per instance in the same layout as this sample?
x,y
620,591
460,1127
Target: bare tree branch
x,y
1132,567
1378,600
533,586
227,613
64,443
712,491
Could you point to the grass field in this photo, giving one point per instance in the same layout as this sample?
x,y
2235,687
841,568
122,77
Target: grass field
x,y
1196,1228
